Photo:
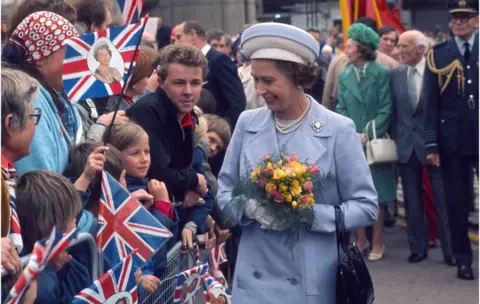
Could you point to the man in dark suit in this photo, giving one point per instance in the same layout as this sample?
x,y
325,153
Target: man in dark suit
x,y
408,131
222,80
451,121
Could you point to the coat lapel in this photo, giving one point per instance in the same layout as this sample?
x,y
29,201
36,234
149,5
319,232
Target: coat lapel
x,y
351,82
403,83
262,137
454,52
369,79
474,56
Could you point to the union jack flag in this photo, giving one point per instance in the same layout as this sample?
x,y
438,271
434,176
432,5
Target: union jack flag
x,y
212,290
112,287
217,256
78,74
124,224
131,10
44,251
188,283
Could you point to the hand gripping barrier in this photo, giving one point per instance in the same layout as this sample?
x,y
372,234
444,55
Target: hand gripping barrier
x,y
176,263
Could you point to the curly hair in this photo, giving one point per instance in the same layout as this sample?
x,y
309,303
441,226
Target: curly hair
x,y
301,75
185,55
99,47
366,52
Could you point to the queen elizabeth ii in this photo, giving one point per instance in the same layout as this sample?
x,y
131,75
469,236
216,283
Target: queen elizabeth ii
x,y
283,65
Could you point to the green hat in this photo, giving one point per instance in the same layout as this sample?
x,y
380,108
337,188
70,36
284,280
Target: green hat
x,y
364,35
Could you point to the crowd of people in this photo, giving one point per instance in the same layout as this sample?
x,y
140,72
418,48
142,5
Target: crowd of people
x,y
202,106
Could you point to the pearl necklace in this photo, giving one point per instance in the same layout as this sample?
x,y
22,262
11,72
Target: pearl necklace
x,y
288,128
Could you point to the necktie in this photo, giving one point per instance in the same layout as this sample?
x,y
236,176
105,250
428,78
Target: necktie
x,y
412,87
466,55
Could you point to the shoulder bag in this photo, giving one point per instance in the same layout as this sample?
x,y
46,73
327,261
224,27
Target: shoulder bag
x,y
380,150
354,284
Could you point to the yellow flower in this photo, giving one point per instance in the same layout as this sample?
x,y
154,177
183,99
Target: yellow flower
x,y
254,174
270,186
282,187
280,162
298,168
287,196
279,174
269,166
295,188
294,204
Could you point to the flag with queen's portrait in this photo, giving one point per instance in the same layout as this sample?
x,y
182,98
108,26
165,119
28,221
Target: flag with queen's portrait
x,y
97,64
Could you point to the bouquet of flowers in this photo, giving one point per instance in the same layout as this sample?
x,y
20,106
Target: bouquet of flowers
x,y
278,193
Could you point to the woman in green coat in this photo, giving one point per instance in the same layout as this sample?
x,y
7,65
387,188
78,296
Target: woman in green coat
x,y
364,96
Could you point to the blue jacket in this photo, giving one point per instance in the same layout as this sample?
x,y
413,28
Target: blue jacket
x,y
50,144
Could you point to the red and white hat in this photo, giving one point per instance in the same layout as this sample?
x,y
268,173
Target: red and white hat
x,y
41,34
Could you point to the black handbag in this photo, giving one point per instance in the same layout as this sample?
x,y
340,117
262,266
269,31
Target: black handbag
x,y
354,284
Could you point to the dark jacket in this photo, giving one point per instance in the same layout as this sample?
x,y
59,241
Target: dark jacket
x,y
224,83
451,116
171,146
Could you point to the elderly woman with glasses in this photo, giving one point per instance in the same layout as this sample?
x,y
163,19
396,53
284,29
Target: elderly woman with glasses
x,y
19,120
268,271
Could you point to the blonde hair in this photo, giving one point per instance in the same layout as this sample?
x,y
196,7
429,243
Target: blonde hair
x,y
186,55
125,134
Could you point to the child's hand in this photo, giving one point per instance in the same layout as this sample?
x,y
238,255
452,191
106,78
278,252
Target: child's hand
x,y
60,261
158,190
150,283
95,162
143,196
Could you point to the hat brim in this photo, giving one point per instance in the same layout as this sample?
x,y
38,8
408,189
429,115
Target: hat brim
x,y
463,10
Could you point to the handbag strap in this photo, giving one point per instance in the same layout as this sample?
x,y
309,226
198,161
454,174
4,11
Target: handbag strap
x,y
374,129
340,231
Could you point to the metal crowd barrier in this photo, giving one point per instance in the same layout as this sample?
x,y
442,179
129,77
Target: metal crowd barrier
x,y
176,263
81,238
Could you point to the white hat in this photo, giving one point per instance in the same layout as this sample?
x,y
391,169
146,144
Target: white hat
x,y
279,41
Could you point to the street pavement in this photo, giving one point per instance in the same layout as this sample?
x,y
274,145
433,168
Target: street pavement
x,y
396,281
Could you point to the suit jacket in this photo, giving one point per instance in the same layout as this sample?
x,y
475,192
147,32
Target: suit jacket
x,y
338,64
451,117
407,120
225,85
267,271
366,101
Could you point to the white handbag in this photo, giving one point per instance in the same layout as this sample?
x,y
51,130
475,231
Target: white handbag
x,y
380,150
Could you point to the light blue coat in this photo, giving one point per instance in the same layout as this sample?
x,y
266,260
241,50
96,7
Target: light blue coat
x,y
50,144
266,271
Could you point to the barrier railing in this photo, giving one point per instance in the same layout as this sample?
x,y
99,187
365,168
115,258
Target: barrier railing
x,y
176,263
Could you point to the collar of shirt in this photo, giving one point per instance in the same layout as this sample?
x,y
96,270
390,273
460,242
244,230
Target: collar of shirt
x,y
8,168
205,49
360,71
419,67
461,43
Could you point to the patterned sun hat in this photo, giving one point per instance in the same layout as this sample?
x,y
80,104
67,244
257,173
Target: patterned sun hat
x,y
42,33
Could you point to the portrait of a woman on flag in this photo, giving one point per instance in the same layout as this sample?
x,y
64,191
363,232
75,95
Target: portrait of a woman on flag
x,y
104,71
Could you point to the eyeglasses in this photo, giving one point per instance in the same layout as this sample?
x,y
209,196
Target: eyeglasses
x,y
37,113
461,17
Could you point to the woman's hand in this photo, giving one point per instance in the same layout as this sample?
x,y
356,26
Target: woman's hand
x,y
106,119
158,190
10,259
363,138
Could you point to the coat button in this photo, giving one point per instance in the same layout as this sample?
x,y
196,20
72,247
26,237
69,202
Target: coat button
x,y
257,275
469,81
293,280
468,67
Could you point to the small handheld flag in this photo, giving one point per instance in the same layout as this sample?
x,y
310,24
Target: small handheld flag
x,y
44,251
117,285
188,283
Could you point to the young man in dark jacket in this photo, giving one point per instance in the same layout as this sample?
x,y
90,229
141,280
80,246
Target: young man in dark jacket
x,y
167,116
